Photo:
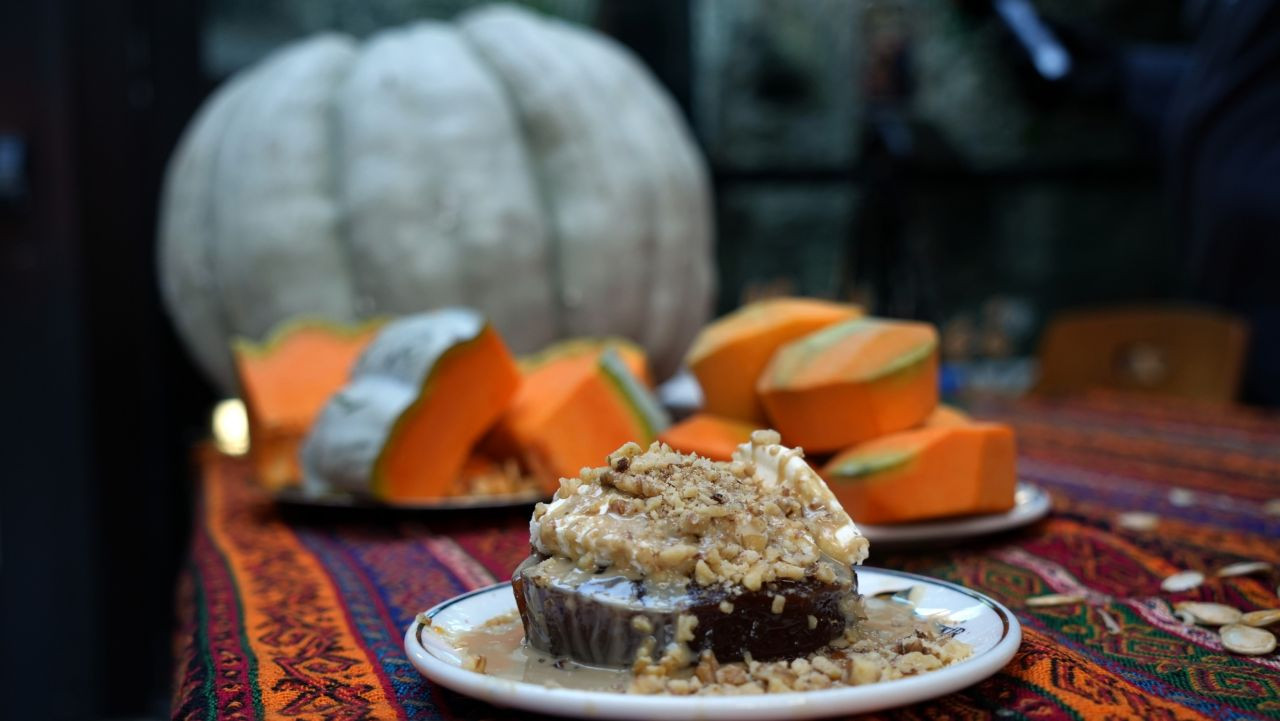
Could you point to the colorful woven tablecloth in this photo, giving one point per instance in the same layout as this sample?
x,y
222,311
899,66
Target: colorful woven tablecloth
x,y
303,617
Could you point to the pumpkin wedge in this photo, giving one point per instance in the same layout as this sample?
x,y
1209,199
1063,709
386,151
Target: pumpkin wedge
x,y
926,473
421,395
851,382
729,354
285,381
547,373
580,349
707,435
576,417
945,415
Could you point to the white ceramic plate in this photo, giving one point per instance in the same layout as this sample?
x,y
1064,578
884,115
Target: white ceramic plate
x,y
987,626
298,498
1031,503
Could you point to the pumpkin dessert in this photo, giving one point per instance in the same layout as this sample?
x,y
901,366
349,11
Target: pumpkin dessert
x,y
660,557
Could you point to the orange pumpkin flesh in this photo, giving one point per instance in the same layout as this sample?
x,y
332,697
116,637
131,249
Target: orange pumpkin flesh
x,y
550,373
285,381
927,473
578,349
945,415
729,354
580,413
463,395
707,435
852,382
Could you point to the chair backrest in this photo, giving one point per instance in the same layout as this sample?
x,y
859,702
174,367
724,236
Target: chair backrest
x,y
1188,352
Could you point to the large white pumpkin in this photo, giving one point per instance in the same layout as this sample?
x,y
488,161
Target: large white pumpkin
x,y
509,162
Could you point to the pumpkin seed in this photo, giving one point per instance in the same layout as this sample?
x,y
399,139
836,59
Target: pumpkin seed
x,y
1210,614
1113,626
1243,569
1181,497
1182,581
1261,618
1054,599
1247,640
1185,617
895,594
1138,521
915,595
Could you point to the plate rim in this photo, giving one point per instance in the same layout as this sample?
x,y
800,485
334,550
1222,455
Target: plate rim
x,y
966,526
793,704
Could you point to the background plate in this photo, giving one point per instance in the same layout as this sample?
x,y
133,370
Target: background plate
x,y
1031,503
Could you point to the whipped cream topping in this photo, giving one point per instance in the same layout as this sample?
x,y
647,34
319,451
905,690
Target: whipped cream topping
x,y
658,514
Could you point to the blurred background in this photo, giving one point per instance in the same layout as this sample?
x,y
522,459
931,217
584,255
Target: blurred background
x,y
983,165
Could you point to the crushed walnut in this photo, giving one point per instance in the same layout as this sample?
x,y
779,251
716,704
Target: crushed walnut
x,y
890,643
659,514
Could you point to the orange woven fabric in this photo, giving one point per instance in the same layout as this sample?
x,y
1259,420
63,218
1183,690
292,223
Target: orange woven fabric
x,y
303,616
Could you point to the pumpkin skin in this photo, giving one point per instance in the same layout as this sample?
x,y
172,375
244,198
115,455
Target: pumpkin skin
x,y
420,396
286,381
509,162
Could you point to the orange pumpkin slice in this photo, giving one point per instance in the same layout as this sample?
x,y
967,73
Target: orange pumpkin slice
x,y
707,435
423,393
945,415
575,417
578,349
729,354
851,382
550,372
926,473
285,381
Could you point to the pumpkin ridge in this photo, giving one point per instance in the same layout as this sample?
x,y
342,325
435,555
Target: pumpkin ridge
x,y
541,186
281,228
209,249
361,302
627,148
567,133
214,121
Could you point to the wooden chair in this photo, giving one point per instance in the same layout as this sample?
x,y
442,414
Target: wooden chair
x,y
1187,352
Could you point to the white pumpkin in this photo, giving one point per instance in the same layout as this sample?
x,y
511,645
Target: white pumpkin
x,y
509,162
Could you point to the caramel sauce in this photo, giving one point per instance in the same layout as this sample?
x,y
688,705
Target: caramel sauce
x,y
501,643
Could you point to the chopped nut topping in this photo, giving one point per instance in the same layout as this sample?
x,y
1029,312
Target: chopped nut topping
x,y
779,603
882,649
658,513
685,624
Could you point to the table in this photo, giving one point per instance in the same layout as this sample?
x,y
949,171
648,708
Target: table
x,y
302,617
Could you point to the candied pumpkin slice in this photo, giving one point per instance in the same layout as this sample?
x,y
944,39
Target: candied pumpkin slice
x,y
945,415
582,414
851,382
707,435
421,395
926,473
285,381
551,372
729,354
